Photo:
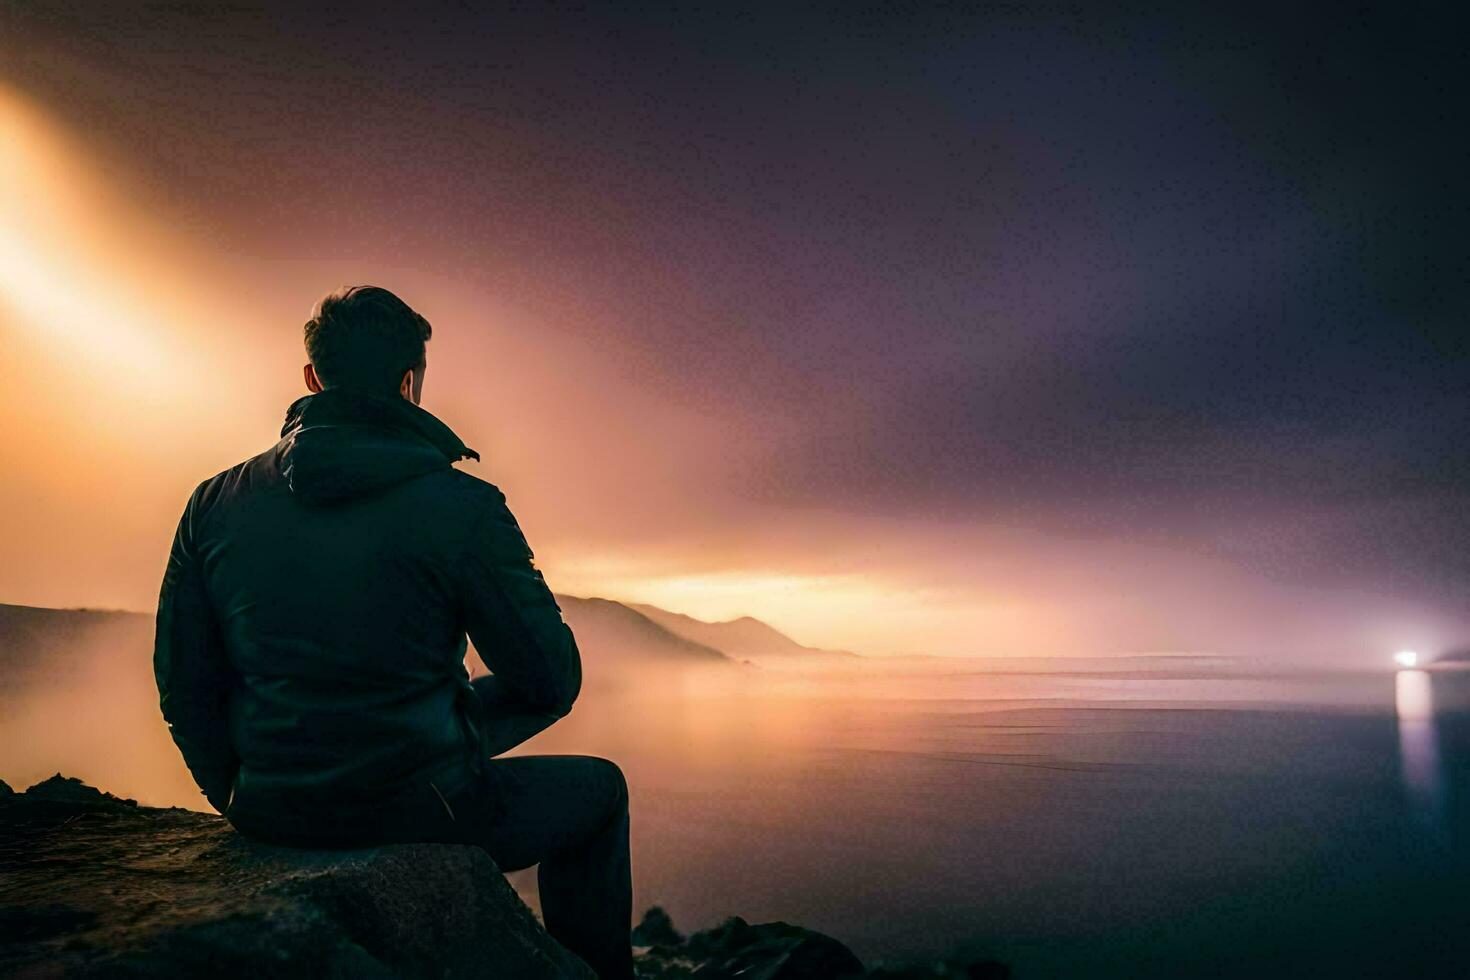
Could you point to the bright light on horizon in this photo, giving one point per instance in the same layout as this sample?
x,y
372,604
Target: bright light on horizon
x,y
865,613
1406,658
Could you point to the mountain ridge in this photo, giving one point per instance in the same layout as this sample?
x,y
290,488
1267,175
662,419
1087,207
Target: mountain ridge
x,y
744,637
45,639
599,615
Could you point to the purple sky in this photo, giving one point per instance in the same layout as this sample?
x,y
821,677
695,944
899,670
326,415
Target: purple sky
x,y
1174,299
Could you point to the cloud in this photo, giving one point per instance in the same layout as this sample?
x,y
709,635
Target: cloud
x,y
887,329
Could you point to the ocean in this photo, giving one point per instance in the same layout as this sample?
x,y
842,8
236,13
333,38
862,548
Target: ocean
x,y
1137,817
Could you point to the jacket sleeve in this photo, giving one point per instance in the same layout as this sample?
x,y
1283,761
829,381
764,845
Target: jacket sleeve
x,y
192,671
512,617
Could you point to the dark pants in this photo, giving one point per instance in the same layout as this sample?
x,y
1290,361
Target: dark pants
x,y
568,814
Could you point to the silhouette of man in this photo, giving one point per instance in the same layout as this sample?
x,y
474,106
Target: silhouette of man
x,y
312,631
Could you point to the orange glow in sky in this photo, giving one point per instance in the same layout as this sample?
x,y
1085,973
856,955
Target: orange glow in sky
x,y
141,359
125,399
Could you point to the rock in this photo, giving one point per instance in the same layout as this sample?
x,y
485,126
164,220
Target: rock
x,y
738,950
656,929
770,951
91,885
96,886
65,789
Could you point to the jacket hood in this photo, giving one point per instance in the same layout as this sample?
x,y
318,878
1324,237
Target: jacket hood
x,y
338,444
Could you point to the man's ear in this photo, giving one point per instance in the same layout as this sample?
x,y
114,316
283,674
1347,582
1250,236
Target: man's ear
x,y
405,384
313,383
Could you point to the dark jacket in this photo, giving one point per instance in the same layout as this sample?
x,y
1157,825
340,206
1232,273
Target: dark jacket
x,y
312,622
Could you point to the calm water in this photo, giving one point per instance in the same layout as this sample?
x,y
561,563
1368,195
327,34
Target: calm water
x,y
1118,819
1129,823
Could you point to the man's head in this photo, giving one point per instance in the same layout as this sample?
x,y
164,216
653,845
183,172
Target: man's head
x,y
368,340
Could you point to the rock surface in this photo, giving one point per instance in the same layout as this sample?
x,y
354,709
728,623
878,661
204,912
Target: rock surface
x,y
96,886
737,950
771,951
91,885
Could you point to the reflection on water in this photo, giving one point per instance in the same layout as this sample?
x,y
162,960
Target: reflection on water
x,y
1114,820
1419,743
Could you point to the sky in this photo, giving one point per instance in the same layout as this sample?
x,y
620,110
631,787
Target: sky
x,y
908,330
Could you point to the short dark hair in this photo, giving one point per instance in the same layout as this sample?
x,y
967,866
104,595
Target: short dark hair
x,y
365,338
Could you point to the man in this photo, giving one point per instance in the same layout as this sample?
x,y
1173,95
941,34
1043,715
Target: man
x,y
312,631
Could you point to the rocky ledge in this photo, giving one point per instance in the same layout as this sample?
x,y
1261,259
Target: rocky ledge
x,y
96,886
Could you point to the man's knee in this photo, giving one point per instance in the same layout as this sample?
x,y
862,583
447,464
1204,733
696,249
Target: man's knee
x,y
612,775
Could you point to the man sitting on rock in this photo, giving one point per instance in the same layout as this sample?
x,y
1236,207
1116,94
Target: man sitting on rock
x,y
312,632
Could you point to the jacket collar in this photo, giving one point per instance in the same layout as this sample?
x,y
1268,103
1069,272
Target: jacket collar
x,y
340,406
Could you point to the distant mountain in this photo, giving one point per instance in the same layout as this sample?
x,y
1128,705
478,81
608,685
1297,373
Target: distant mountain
x,y
39,645
613,629
77,689
746,638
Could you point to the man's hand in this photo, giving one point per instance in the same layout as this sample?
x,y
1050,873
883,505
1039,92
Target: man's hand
x,y
220,796
508,721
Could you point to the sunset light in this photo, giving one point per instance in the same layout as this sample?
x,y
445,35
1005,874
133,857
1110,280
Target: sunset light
x,y
144,346
60,259
945,490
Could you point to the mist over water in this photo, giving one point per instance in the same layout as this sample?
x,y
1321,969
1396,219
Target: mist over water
x,y
1118,816
946,330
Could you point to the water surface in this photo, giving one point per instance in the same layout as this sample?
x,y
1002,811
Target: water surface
x,y
1163,821
1149,817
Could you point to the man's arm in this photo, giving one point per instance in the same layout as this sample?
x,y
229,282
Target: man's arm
x,y
517,628
192,671
509,721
